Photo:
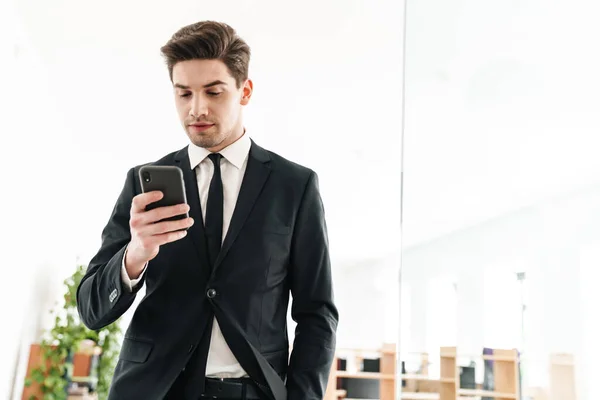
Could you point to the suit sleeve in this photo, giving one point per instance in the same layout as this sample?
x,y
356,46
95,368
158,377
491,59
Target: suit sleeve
x,y
313,306
102,296
129,283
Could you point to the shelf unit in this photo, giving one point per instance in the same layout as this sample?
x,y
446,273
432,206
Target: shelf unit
x,y
447,387
386,376
562,382
448,374
562,377
82,361
506,376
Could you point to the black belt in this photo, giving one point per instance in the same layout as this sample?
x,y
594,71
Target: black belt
x,y
233,388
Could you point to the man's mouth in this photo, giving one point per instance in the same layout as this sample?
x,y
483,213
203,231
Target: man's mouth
x,y
201,127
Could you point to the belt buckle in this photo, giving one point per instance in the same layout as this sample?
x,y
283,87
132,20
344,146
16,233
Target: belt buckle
x,y
204,396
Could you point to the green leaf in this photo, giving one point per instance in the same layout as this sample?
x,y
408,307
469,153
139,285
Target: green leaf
x,y
65,336
37,375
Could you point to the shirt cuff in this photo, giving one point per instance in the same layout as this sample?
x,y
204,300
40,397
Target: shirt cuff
x,y
130,284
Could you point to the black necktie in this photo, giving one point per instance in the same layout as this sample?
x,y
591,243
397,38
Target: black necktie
x,y
214,211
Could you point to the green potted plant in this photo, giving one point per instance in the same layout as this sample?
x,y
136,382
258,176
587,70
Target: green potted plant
x,y
63,340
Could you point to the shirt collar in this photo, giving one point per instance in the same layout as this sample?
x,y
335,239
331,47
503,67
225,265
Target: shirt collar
x,y
236,153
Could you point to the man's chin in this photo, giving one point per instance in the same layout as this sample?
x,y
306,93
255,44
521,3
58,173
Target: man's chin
x,y
203,141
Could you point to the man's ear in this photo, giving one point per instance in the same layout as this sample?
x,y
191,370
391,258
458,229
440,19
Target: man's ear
x,y
247,92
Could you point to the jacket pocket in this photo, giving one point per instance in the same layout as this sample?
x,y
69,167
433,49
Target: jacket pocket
x,y
135,350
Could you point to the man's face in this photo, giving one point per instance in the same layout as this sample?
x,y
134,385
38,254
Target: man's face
x,y
209,103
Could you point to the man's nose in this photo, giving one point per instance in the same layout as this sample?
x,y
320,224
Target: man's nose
x,y
199,107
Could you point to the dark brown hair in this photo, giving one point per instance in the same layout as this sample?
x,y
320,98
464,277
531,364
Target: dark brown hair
x,y
209,40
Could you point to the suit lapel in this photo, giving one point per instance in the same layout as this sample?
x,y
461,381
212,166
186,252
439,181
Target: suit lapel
x,y
196,231
257,172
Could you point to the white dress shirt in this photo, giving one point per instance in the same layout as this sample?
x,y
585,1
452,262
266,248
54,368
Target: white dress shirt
x,y
221,362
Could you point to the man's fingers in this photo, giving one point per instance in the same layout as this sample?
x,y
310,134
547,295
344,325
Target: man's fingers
x,y
165,227
173,236
169,237
140,201
161,213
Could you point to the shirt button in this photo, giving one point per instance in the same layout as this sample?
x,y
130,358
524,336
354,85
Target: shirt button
x,y
211,293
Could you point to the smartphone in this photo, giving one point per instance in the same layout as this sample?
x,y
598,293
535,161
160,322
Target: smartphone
x,y
167,179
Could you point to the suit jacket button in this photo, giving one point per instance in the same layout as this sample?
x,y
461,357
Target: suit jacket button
x,y
211,293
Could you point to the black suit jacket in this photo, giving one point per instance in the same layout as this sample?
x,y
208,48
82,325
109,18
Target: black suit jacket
x,y
276,245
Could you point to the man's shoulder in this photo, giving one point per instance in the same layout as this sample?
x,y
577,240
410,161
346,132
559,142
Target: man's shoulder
x,y
288,167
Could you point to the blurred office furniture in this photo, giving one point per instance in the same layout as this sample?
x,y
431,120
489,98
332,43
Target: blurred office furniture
x,y
562,377
467,377
375,378
506,376
502,368
83,365
381,383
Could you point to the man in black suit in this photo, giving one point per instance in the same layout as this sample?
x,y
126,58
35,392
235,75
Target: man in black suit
x,y
213,321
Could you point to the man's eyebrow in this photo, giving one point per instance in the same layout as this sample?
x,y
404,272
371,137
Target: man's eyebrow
x,y
213,83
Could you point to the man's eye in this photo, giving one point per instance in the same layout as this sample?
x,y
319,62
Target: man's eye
x,y
184,95
214,93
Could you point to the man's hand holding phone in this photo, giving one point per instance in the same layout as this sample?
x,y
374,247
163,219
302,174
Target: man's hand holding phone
x,y
148,234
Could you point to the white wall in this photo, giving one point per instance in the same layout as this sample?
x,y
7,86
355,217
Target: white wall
x,y
555,243
501,174
89,98
367,294
35,197
501,105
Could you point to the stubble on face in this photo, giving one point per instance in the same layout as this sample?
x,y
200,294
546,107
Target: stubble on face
x,y
209,102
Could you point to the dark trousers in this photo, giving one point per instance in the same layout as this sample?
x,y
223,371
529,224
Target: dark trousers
x,y
177,389
215,388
